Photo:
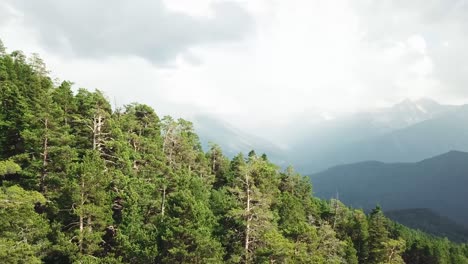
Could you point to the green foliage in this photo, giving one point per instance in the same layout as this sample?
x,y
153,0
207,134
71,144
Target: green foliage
x,y
9,167
82,183
2,48
378,236
430,222
23,232
351,253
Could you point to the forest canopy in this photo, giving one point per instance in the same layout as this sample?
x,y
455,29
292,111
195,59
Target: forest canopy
x,y
84,183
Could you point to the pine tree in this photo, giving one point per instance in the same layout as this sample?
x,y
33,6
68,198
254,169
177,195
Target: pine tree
x,y
188,228
91,121
219,166
89,185
393,249
139,182
13,107
63,96
297,215
350,252
329,247
358,231
44,138
378,236
254,188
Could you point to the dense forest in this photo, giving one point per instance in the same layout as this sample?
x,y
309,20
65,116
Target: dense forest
x,y
82,182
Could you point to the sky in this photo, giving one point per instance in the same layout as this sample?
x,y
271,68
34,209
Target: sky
x,y
261,65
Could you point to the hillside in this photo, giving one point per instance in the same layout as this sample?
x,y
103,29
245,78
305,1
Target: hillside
x,y
428,221
81,182
438,183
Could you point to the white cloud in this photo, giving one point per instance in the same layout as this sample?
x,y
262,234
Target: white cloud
x,y
418,43
195,8
302,59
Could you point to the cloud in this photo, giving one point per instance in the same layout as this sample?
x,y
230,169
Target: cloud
x,y
144,28
440,28
266,66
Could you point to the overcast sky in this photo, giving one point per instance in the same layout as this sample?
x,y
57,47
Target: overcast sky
x,y
260,64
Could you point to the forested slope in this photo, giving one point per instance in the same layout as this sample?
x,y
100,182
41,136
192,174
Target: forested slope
x,y
438,183
430,222
84,183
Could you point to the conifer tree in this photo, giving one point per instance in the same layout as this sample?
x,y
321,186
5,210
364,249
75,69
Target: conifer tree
x,y
13,107
91,121
219,166
358,231
23,232
255,189
378,236
138,182
91,203
187,235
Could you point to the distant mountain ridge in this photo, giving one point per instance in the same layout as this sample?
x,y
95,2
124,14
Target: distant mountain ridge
x,y
406,113
407,132
438,183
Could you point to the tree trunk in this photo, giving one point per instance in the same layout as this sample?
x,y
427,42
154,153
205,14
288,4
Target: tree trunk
x,y
94,133
214,162
45,154
97,127
82,202
163,203
248,219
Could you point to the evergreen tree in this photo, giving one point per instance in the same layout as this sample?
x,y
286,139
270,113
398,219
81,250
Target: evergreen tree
x,y
350,252
63,96
139,182
329,247
378,236
44,138
219,166
255,189
358,231
297,215
13,108
187,235
91,204
91,121
23,232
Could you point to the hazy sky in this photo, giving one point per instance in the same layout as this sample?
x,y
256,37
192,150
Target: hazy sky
x,y
259,64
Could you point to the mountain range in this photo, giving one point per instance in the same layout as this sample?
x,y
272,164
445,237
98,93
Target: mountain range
x,y
438,183
408,131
